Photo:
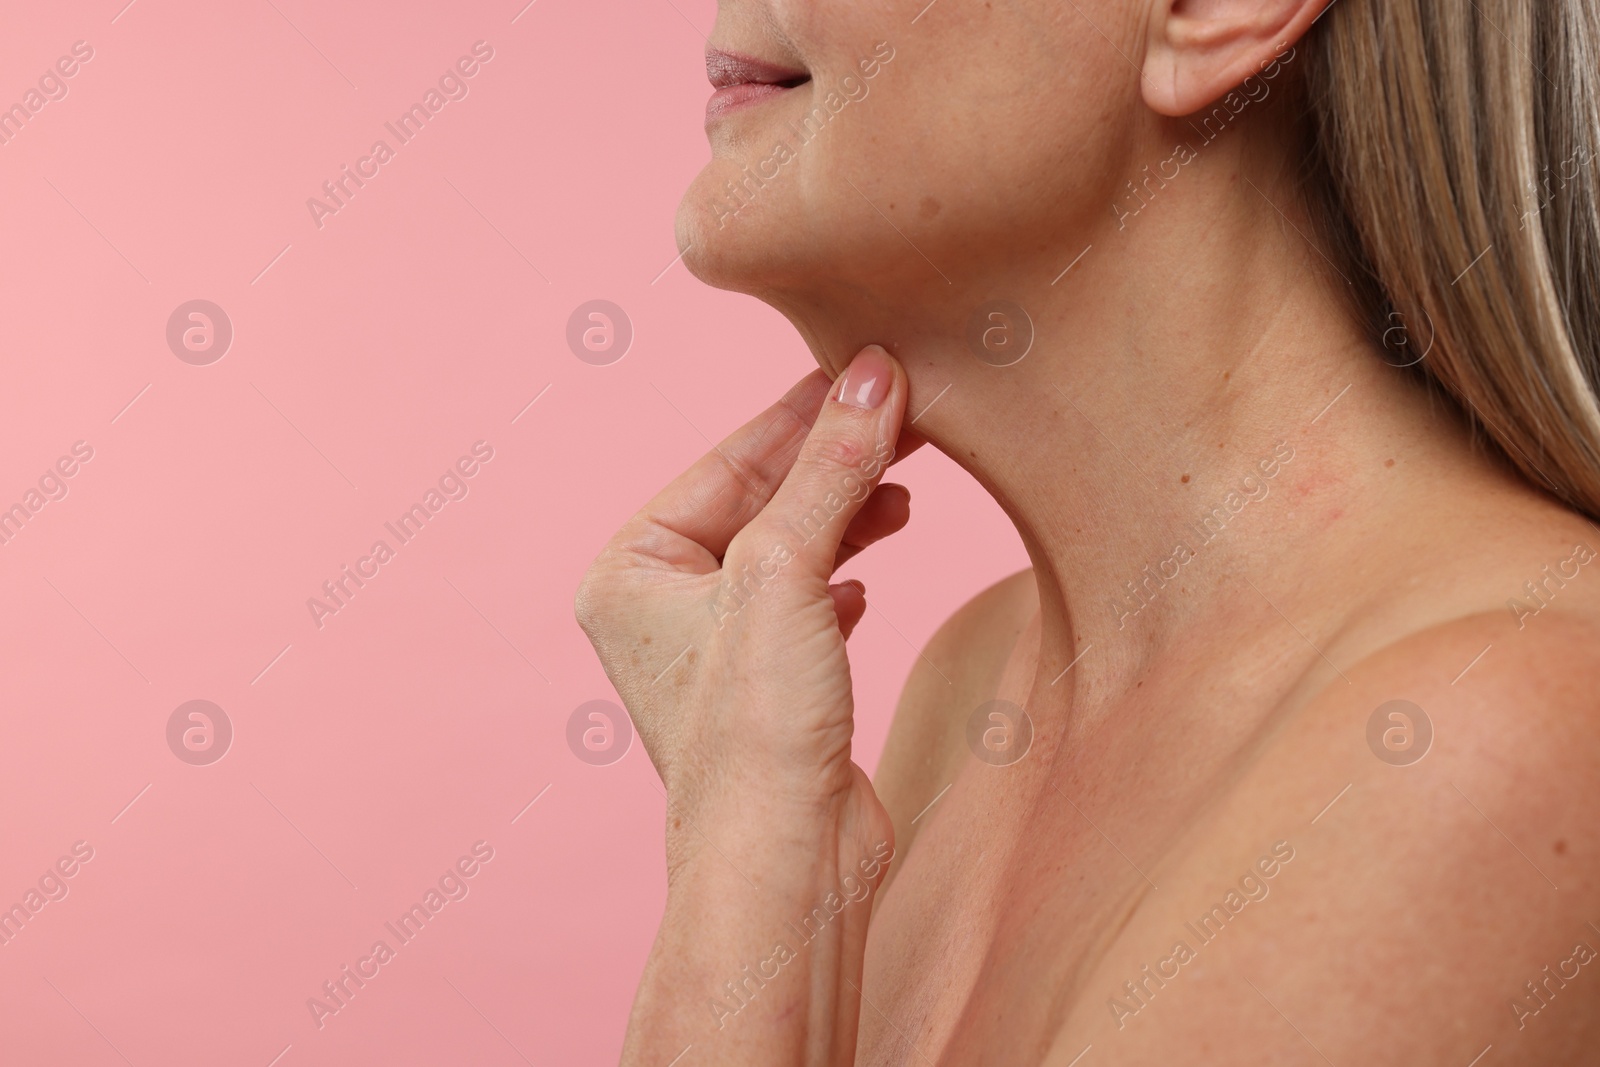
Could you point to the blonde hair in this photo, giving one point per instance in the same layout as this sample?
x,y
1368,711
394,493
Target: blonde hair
x,y
1451,165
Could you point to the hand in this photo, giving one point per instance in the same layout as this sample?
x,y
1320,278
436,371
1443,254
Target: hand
x,y
712,609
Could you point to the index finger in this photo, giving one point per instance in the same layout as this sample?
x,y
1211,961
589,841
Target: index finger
x,y
694,518
692,521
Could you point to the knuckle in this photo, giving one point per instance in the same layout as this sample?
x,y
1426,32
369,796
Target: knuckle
x,y
583,609
591,605
759,487
758,559
840,455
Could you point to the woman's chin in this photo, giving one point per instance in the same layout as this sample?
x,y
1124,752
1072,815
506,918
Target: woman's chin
x,y
746,247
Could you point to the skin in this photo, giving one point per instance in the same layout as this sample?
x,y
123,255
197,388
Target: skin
x,y
1218,731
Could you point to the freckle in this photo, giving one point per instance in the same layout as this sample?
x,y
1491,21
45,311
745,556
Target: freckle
x,y
1388,463
1227,374
646,640
930,207
1561,848
1184,479
693,655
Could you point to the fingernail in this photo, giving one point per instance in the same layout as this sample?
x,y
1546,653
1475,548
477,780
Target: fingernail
x,y
865,382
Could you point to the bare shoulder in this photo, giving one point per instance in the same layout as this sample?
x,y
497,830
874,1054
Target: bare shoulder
x,y
957,670
1418,848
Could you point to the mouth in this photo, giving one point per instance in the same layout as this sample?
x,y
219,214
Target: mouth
x,y
741,81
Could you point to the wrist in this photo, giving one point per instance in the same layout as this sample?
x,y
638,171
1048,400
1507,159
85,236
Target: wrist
x,y
777,841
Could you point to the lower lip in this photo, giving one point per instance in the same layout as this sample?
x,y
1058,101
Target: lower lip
x,y
735,97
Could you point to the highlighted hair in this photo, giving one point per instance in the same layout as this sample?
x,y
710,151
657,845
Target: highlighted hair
x,y
1453,167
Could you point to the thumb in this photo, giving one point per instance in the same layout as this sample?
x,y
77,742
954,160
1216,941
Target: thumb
x,y
844,456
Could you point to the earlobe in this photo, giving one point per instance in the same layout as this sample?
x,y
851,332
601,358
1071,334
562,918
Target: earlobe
x,y
1198,50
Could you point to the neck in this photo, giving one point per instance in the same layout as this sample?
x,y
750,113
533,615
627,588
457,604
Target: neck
x,y
1197,440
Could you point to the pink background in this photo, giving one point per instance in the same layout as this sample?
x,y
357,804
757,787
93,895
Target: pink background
x,y
368,355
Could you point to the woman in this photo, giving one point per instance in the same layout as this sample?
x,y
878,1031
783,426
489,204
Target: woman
x,y
1273,327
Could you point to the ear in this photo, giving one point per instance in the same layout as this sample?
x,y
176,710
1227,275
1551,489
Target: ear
x,y
1197,50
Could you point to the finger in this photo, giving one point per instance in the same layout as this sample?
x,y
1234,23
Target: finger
x,y
844,455
692,520
885,512
849,603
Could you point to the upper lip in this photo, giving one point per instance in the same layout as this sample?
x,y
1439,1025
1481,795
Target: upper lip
x,y
730,68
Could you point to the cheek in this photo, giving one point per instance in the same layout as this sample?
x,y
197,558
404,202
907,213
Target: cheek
x,y
1024,98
